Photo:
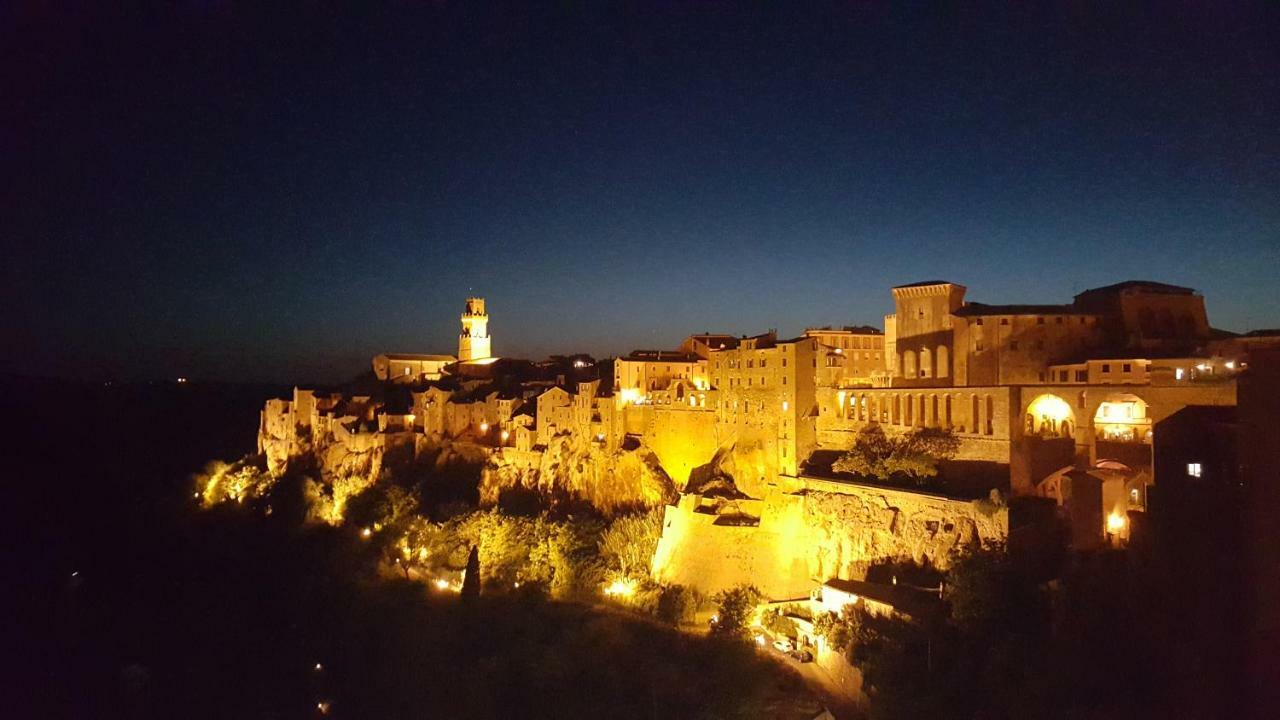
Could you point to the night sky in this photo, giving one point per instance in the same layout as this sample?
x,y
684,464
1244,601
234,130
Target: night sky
x,y
215,192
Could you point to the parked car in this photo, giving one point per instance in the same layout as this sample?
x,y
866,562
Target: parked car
x,y
783,645
801,655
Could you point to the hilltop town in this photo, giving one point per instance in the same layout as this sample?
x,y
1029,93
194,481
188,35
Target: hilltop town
x,y
736,435
1041,425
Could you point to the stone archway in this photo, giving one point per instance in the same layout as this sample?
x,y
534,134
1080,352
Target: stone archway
x,y
1048,415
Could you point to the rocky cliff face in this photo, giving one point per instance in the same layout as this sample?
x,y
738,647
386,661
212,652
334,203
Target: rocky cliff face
x,y
849,531
578,469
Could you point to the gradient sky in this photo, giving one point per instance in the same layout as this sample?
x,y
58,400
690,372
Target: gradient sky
x,y
219,192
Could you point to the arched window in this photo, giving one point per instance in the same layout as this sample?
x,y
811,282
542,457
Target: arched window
x,y
944,361
926,363
909,364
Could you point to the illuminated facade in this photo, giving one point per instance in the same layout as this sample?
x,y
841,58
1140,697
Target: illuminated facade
x,y
1043,400
473,343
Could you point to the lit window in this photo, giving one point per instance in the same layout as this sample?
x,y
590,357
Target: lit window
x,y
1178,373
1193,470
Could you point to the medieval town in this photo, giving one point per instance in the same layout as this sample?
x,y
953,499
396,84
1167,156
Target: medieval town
x,y
1042,428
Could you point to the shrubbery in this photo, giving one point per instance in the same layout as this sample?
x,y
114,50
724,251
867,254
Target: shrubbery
x,y
734,608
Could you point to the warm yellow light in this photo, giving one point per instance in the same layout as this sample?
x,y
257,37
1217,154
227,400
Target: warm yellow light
x,y
620,588
629,395
323,707
1116,522
785,406
505,435
515,584
411,417
442,584
1050,406
760,640
366,533
1231,364
484,427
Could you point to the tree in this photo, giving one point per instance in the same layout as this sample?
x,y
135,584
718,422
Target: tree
x,y
734,608
912,457
629,543
471,580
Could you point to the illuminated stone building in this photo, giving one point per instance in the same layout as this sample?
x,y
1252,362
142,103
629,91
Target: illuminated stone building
x,y
850,356
766,398
410,368
1033,389
473,343
643,372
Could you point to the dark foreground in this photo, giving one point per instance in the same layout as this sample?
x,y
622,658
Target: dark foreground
x,y
133,603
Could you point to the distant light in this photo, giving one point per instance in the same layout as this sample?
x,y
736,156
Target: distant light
x,y
1202,367
366,533
515,584
620,588
323,707
1116,522
442,584
600,436
319,667
182,379
1231,364
196,495
411,417
1177,374
505,435
760,640
75,573
484,427
785,406
715,618
839,351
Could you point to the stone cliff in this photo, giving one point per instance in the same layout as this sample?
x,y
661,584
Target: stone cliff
x,y
578,469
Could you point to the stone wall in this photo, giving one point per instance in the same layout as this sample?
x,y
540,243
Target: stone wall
x,y
682,439
812,530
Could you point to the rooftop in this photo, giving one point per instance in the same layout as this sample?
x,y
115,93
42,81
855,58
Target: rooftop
x,y
1146,286
975,309
924,283
415,356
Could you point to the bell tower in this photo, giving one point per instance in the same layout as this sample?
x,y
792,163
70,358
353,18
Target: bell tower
x,y
473,343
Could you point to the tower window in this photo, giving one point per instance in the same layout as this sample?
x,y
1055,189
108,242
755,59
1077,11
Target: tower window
x,y
1194,470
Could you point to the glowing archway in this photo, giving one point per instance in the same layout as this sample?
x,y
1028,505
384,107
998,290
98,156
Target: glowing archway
x,y
1122,417
1049,416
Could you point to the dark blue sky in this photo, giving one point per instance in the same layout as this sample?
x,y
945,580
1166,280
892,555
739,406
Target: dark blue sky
x,y
217,192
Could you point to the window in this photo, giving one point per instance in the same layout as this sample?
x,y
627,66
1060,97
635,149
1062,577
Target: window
x,y
784,379
1062,376
1013,344
979,322
978,347
1177,374
763,361
751,363
1126,367
784,362
1082,375
1041,376
1194,470
1004,321
1039,321
1106,367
